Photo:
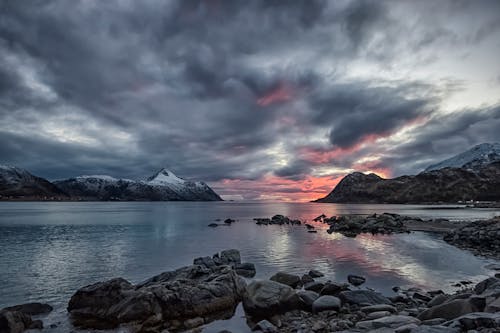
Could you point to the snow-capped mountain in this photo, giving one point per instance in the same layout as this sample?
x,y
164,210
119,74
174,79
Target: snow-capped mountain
x,y
17,183
472,159
162,186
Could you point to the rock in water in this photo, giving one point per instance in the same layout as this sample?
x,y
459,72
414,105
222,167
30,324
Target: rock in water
x,y
285,278
326,303
363,297
356,280
189,292
31,309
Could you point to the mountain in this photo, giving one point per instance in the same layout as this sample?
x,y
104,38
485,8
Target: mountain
x,y
448,185
19,184
473,159
162,186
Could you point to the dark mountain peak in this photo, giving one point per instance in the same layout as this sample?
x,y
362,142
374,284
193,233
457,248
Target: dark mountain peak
x,y
472,159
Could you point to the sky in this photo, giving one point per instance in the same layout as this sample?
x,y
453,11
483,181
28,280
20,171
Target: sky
x,y
263,100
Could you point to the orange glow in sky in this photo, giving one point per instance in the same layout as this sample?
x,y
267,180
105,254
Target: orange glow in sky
x,y
280,94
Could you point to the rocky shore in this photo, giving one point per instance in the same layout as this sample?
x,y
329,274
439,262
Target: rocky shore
x,y
480,237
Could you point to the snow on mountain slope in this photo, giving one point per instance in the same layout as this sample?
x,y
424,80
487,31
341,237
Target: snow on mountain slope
x,y
162,186
472,159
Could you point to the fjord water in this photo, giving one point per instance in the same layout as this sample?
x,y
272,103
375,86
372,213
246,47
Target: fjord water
x,y
50,249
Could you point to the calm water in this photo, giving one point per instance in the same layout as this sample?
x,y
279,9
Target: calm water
x,y
48,250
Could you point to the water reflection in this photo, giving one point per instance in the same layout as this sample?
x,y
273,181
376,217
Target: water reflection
x,y
48,250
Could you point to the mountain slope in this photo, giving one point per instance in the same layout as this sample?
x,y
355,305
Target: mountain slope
x,y
17,183
163,186
446,185
474,158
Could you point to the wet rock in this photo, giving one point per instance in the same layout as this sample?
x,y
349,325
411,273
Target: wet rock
x,y
326,303
315,273
379,307
332,288
289,279
306,278
352,225
229,221
265,298
245,269
394,321
363,297
438,299
213,225
14,321
188,292
377,315
230,257
204,261
449,310
475,320
356,280
31,308
314,286
484,285
307,297
265,327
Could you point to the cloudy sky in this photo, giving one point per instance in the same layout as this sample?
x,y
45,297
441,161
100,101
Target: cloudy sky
x,y
261,99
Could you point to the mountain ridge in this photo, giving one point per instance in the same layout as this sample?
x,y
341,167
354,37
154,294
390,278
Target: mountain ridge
x,y
101,188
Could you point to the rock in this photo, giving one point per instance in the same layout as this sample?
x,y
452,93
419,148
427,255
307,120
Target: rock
x,y
213,225
314,286
363,297
326,303
493,306
438,299
36,325
377,314
194,322
405,328
432,322
230,257
356,280
307,297
379,307
204,261
265,327
394,321
14,321
422,297
434,329
315,274
289,279
312,231
448,310
486,284
188,292
245,269
306,278
229,221
31,308
332,288
475,320
265,298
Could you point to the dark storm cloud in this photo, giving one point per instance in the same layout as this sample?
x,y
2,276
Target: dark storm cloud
x,y
212,89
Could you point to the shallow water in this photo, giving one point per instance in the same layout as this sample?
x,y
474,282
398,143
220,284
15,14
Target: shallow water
x,y
50,249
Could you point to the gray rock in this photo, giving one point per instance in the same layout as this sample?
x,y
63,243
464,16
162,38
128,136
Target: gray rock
x,y
306,278
449,310
230,257
189,292
493,306
307,297
356,280
363,297
434,329
245,269
314,286
432,322
379,307
286,278
486,284
31,308
475,320
213,225
265,327
377,315
326,303
394,321
265,298
405,328
315,273
332,288
438,299
204,261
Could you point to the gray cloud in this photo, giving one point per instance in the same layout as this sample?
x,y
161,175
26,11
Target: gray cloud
x,y
218,89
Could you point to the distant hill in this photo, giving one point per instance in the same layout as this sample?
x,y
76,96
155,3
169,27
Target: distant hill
x,y
473,159
472,175
19,184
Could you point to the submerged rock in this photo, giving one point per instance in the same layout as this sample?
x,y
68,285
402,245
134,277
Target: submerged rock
x,y
356,280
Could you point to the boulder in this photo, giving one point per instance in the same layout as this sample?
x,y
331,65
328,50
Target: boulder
x,y
307,297
306,278
31,309
476,320
189,292
378,307
438,299
487,284
265,327
314,286
286,278
16,322
230,257
332,288
326,303
265,298
356,280
363,297
245,269
377,315
315,273
449,310
394,321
